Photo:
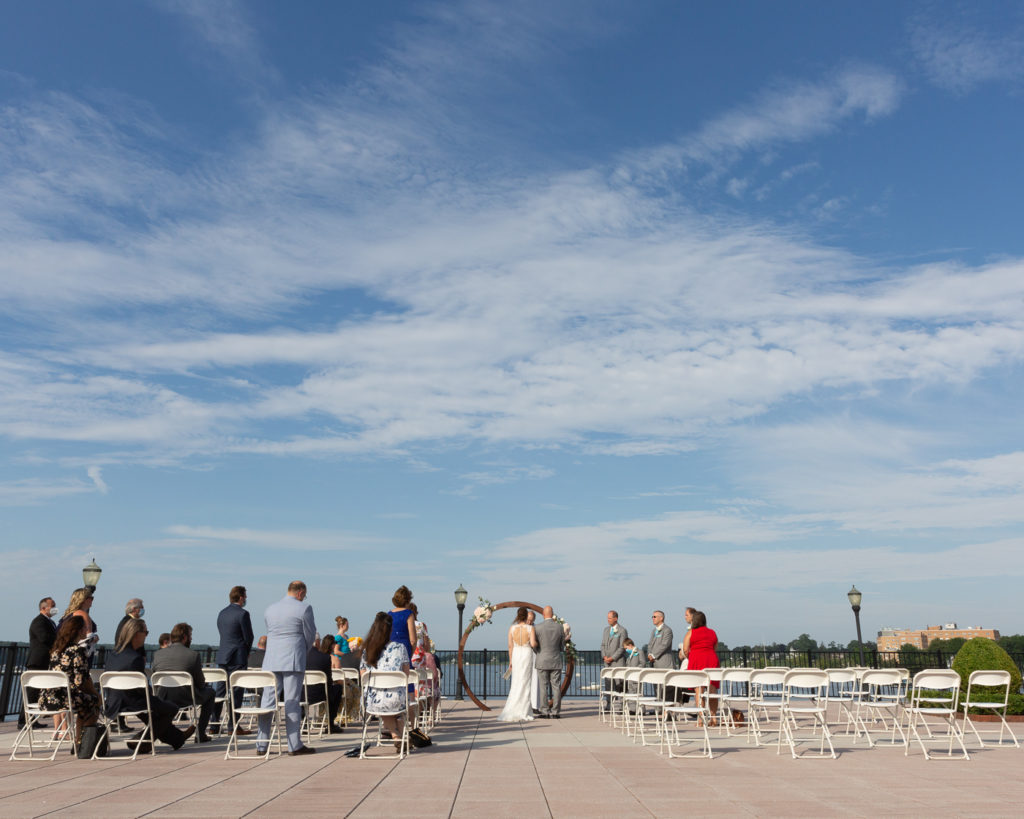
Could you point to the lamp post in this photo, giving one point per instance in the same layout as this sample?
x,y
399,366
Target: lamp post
x,y
854,597
91,575
460,601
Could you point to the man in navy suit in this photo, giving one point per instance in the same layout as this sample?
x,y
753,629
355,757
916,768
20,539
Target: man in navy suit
x,y
235,629
41,634
290,632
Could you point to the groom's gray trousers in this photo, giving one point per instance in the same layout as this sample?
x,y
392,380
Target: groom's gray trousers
x,y
550,688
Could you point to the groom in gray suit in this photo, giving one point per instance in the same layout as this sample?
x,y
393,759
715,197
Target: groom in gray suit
x,y
290,633
550,648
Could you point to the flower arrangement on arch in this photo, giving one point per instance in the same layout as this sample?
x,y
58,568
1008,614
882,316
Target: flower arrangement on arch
x,y
481,614
570,647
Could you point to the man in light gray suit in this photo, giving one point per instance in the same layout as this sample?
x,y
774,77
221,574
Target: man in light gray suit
x,y
550,650
612,652
290,633
659,647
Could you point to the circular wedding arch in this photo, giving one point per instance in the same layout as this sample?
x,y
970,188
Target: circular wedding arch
x,y
570,666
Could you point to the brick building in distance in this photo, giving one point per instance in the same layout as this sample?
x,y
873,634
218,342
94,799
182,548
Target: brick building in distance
x,y
892,639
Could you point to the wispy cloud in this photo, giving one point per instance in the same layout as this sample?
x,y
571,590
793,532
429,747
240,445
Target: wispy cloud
x,y
286,540
95,474
36,491
958,52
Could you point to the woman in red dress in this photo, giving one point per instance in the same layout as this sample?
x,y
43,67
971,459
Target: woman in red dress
x,y
702,654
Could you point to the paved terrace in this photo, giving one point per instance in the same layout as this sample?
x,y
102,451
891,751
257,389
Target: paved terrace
x,y
575,766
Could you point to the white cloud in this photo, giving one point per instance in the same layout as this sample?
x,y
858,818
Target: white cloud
x,y
285,540
958,53
95,474
36,491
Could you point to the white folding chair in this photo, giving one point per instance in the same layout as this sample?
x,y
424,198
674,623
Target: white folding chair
x,y
256,681
423,703
805,695
655,702
126,681
603,695
315,716
994,697
55,737
734,695
844,691
699,711
175,680
385,680
629,698
348,677
935,693
881,700
766,699
213,676
616,692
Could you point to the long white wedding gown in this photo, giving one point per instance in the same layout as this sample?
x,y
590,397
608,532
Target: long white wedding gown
x,y
517,706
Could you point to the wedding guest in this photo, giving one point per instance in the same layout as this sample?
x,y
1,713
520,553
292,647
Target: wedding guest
x,y
128,655
684,647
403,625
42,632
612,652
632,653
702,654
68,654
179,656
319,659
659,646
341,638
234,625
384,654
80,603
256,655
164,640
133,610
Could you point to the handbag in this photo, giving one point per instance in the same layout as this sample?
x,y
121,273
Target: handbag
x,y
90,738
418,739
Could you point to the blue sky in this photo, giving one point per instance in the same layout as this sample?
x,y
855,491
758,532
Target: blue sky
x,y
599,305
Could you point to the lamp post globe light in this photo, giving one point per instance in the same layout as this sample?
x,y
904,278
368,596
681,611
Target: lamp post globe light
x,y
460,601
854,597
91,575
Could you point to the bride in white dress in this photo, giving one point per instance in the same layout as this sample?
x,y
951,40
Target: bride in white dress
x,y
521,642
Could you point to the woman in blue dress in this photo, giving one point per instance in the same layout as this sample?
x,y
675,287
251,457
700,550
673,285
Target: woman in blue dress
x,y
403,624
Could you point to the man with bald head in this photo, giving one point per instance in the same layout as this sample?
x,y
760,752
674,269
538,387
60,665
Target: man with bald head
x,y
550,651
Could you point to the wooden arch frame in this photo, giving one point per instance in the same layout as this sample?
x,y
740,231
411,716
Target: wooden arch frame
x,y
570,666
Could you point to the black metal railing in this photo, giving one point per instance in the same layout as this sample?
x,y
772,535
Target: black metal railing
x,y
485,667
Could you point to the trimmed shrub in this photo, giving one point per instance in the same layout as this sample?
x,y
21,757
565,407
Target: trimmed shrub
x,y
982,654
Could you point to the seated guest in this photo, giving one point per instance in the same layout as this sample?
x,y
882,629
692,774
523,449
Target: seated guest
x,y
318,658
165,640
179,656
256,655
384,654
69,655
128,656
134,609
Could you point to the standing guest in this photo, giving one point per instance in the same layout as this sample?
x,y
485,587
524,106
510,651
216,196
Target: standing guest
x,y
612,652
134,609
291,630
341,639
684,647
235,628
42,631
550,656
403,624
257,654
179,656
318,658
702,655
659,646
129,655
69,655
79,605
384,654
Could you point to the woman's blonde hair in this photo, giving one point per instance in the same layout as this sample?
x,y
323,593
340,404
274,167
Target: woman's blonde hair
x,y
78,596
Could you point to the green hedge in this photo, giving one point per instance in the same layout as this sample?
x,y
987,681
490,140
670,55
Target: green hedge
x,y
982,654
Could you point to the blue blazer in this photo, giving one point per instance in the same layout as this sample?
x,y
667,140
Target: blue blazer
x,y
290,632
235,629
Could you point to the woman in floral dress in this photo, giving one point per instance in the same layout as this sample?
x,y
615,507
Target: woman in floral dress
x,y
383,654
70,655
